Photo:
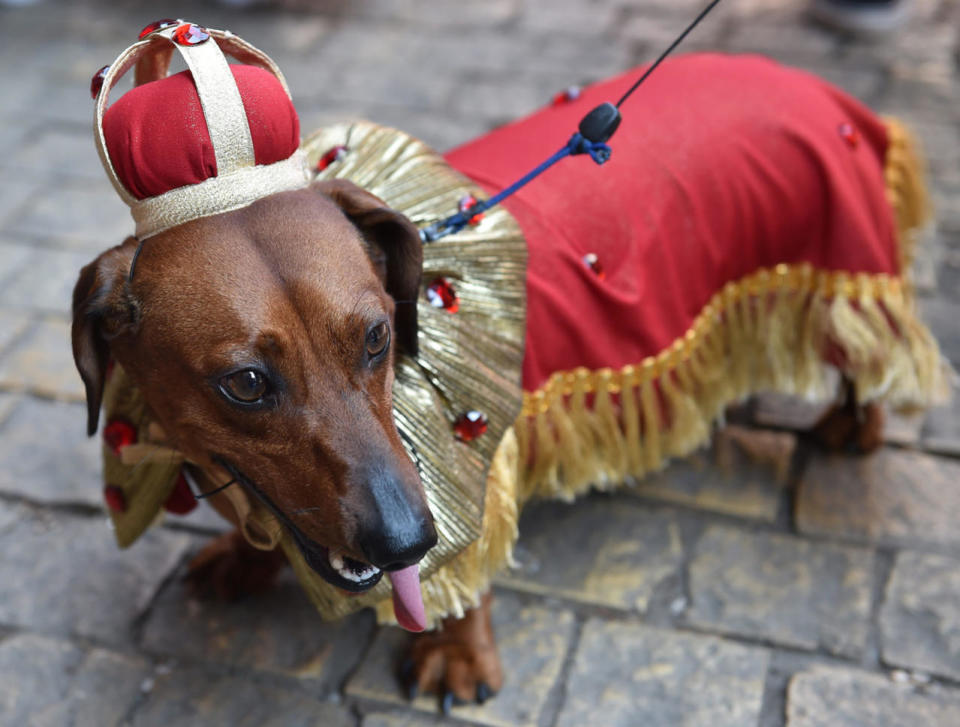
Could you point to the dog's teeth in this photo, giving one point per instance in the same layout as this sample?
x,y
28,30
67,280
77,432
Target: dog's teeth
x,y
338,563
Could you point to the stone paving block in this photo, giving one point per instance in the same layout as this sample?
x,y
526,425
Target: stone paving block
x,y
772,409
15,193
82,216
657,32
601,549
57,153
403,719
45,455
45,281
41,362
45,681
532,641
627,674
891,497
189,697
902,428
832,697
941,431
12,325
572,19
13,255
8,403
920,618
277,631
781,588
734,483
64,574
781,41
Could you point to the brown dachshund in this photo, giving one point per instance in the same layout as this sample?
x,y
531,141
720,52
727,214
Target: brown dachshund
x,y
263,340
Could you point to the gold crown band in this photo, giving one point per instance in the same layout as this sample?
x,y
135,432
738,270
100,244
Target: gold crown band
x,y
218,194
222,106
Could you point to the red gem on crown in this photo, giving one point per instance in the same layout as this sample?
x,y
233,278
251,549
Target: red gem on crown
x,y
441,294
96,83
470,425
115,498
190,34
155,26
118,434
465,204
333,155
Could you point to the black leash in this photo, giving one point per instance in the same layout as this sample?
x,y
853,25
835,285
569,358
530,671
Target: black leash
x,y
594,130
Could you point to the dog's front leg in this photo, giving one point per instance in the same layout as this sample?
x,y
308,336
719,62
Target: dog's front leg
x,y
228,567
459,661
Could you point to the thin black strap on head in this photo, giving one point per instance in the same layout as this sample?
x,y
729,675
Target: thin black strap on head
x,y
133,262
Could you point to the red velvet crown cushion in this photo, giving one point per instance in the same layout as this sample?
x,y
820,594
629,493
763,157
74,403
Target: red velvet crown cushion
x,y
157,136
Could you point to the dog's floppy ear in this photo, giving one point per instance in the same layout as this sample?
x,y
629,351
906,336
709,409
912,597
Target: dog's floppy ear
x,y
394,247
102,310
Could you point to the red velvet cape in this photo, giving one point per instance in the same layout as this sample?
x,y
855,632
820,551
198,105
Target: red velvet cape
x,y
722,165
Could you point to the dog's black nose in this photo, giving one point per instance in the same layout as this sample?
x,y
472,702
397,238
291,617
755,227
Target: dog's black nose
x,y
395,527
391,549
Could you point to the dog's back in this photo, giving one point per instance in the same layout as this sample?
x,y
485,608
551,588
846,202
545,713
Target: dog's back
x,y
723,165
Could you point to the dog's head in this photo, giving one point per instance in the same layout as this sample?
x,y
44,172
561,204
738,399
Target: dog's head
x,y
263,339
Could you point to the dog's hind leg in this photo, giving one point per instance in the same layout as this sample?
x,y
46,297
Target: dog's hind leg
x,y
229,567
850,424
459,661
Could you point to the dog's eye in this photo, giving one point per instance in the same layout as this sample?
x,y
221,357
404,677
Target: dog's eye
x,y
247,386
378,338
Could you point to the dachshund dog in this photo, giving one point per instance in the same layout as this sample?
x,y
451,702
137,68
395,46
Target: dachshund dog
x,y
263,338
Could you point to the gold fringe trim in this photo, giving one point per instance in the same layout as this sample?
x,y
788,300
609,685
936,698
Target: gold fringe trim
x,y
768,331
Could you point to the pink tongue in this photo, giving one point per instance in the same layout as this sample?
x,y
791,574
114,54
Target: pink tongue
x,y
407,601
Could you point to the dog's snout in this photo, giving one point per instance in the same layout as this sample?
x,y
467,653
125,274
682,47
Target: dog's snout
x,y
396,529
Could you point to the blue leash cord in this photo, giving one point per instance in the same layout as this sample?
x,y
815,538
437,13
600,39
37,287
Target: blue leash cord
x,y
594,131
578,144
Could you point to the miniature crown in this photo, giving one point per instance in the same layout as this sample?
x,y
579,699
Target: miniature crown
x,y
214,138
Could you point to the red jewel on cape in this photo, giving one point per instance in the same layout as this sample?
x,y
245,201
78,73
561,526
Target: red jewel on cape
x,y
115,498
571,93
181,499
849,134
190,34
466,203
470,425
442,295
96,83
118,434
593,262
155,26
334,155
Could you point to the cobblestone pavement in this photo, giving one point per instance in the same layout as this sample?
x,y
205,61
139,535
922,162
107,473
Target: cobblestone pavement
x,y
705,596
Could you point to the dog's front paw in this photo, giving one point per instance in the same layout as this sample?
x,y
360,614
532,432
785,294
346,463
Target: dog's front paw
x,y
459,662
229,567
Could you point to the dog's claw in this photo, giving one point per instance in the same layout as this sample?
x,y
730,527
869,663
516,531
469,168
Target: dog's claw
x,y
484,692
446,704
